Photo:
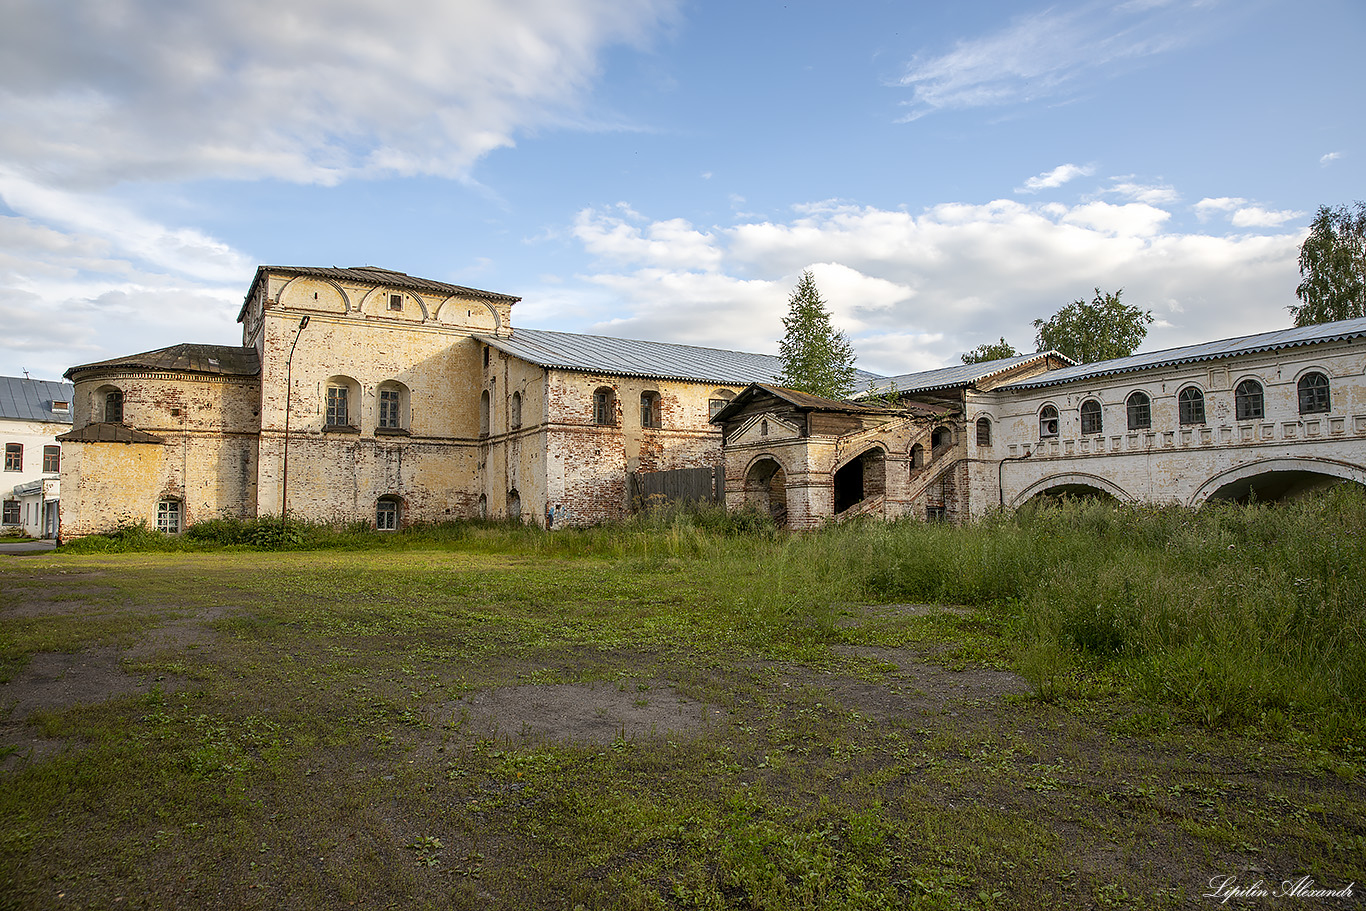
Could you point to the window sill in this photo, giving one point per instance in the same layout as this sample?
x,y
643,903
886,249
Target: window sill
x,y
392,432
340,428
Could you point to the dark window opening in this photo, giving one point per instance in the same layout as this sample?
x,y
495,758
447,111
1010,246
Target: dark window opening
x,y
395,301
604,410
1249,403
650,415
983,431
1313,393
113,407
1190,406
1140,410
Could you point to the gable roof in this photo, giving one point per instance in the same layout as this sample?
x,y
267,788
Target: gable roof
x,y
222,360
955,376
372,275
802,401
1205,351
23,399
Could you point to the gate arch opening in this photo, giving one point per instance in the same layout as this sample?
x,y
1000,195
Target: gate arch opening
x,y
766,489
861,478
1277,479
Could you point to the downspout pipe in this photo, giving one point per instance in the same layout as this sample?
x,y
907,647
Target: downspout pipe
x,y
289,386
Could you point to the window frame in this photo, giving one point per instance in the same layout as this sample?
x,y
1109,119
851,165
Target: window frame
x,y
388,514
984,431
391,411
1190,406
337,404
9,513
1314,397
113,406
170,516
1092,418
14,457
604,407
651,410
1138,410
1244,400
52,459
1047,432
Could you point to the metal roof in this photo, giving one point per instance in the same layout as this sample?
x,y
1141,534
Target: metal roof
x,y
221,360
373,275
107,432
627,357
1206,351
22,399
955,376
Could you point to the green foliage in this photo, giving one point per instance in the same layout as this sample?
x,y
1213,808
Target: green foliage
x,y
816,358
1333,267
1100,330
990,351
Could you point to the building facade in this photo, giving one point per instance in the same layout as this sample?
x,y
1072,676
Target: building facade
x,y
33,413
366,395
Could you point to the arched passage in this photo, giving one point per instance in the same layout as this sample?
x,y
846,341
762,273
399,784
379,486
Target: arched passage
x,y
860,478
1277,479
1071,484
766,488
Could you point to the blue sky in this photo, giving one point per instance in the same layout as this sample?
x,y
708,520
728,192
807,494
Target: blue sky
x,y
666,170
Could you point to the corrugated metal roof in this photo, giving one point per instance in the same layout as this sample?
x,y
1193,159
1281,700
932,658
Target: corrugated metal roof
x,y
1206,351
222,360
955,376
627,357
22,399
373,275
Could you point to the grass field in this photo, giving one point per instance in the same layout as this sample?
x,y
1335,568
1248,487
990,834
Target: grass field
x,y
1089,707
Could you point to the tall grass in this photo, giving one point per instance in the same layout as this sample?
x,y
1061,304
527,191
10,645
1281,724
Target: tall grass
x,y
1231,615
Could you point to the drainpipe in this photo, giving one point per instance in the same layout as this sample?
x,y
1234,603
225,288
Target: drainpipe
x,y
289,376
1000,473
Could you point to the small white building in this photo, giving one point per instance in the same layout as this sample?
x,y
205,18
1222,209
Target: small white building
x,y
32,414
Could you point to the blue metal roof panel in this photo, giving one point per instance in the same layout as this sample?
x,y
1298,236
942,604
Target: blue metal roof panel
x,y
22,399
955,376
1206,351
629,357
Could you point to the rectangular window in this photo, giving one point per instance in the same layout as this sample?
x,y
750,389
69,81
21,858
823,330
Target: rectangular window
x,y
649,409
395,301
168,517
113,407
52,458
602,408
336,406
61,407
11,513
14,457
388,408
386,515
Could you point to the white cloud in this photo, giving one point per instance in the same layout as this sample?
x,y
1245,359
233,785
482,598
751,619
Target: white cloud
x,y
1056,177
1328,159
302,90
1152,194
914,291
1039,56
1257,217
1210,206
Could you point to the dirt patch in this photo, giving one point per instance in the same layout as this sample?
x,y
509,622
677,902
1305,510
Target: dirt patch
x,y
577,713
917,687
859,614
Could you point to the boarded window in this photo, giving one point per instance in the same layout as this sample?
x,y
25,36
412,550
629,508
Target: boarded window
x,y
983,431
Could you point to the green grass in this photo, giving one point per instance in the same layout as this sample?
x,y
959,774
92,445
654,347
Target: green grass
x,y
1194,707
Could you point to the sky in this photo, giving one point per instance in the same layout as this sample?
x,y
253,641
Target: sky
x,y
666,170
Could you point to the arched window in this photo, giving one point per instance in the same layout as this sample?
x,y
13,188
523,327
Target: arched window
x,y
917,456
342,403
515,411
1092,421
393,406
983,431
484,413
514,504
1313,389
1140,410
109,404
1048,422
388,511
604,407
1248,401
1190,406
168,516
649,409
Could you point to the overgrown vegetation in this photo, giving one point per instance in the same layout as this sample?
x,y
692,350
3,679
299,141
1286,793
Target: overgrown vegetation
x,y
1194,706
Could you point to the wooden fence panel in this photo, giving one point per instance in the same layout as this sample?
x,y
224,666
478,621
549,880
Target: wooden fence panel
x,y
693,485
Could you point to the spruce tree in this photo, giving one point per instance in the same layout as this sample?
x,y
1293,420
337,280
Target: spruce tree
x,y
816,358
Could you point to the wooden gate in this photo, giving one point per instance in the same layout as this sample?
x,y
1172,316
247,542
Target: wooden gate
x,y
691,485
